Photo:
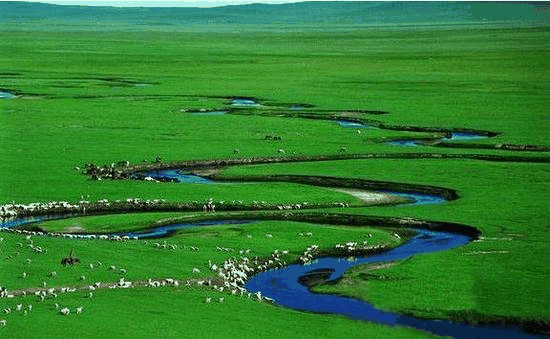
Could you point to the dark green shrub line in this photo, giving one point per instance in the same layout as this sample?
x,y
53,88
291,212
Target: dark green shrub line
x,y
472,317
138,205
509,147
325,181
122,172
358,119
354,115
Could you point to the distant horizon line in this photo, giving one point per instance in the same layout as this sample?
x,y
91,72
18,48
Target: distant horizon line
x,y
166,3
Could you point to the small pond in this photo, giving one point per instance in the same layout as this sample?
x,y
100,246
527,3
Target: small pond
x,y
404,143
353,124
6,95
244,102
174,175
463,136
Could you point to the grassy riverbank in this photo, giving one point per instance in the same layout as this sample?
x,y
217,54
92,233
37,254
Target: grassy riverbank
x,y
505,201
105,95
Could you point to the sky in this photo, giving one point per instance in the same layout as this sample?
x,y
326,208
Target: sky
x,y
163,3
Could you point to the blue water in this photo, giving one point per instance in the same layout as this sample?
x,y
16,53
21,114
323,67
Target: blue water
x,y
17,222
244,102
420,199
167,230
157,232
6,95
282,285
353,124
464,136
178,177
454,136
405,143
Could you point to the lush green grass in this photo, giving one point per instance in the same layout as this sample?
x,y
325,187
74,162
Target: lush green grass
x,y
182,313
490,79
143,259
503,200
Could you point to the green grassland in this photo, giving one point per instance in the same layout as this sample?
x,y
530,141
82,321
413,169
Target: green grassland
x,y
509,215
79,104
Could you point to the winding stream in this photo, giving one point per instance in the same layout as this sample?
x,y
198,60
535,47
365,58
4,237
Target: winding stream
x,y
285,285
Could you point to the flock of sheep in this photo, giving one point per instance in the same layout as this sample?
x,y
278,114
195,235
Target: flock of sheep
x,y
231,277
13,210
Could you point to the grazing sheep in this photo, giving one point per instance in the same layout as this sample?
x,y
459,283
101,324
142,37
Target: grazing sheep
x,y
65,311
79,310
208,300
3,322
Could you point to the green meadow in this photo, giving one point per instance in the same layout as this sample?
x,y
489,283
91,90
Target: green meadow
x,y
127,93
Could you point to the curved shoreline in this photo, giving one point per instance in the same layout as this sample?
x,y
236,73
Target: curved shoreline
x,y
285,287
347,185
357,220
211,167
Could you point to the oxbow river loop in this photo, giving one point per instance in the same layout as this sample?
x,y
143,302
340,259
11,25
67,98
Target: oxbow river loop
x,y
286,287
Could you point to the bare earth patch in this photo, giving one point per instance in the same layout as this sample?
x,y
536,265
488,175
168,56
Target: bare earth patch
x,y
370,197
74,229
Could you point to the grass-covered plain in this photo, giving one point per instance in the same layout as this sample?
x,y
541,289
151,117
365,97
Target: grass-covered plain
x,y
79,105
